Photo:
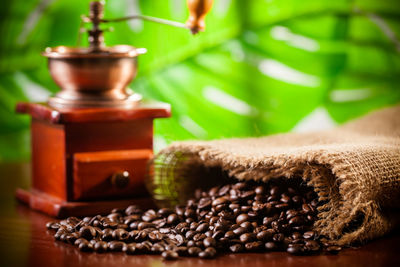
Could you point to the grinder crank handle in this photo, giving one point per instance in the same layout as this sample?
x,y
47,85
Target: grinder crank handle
x,y
198,10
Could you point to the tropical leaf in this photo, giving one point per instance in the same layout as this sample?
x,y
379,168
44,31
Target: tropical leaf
x,y
260,68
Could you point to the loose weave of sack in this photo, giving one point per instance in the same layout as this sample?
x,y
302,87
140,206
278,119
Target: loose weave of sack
x,y
355,169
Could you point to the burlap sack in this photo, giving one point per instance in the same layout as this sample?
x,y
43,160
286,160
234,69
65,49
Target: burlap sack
x,y
355,168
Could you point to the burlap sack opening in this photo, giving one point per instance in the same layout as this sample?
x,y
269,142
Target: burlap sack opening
x,y
355,168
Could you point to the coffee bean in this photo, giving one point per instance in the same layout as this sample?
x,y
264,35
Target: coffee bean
x,y
157,248
333,249
309,235
142,248
274,216
278,237
236,248
194,251
202,227
242,218
100,246
297,220
296,235
116,245
254,246
204,203
239,231
85,246
247,237
182,251
312,245
260,190
286,199
274,191
70,238
209,242
264,235
87,232
155,236
144,225
120,234
189,213
53,225
296,249
247,225
208,253
271,246
170,255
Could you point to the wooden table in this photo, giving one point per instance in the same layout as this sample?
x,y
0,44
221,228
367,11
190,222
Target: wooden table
x,y
24,241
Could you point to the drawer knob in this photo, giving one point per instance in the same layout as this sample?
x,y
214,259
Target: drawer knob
x,y
120,179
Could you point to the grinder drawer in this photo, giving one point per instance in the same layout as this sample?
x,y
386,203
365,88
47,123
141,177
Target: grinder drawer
x,y
109,174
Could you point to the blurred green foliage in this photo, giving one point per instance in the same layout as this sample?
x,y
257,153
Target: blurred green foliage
x,y
260,68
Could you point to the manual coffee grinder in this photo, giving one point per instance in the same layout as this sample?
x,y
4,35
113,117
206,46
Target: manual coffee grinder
x,y
91,141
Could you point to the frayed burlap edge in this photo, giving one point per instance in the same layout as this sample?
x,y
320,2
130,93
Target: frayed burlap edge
x,y
354,168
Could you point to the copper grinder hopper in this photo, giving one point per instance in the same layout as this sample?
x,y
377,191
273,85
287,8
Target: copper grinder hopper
x,y
97,76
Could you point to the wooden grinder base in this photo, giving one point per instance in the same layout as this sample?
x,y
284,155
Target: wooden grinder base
x,y
88,161
62,209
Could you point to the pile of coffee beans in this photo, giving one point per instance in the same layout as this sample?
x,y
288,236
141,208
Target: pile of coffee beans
x,y
231,218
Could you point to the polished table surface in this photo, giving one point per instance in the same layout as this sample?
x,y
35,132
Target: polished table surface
x,y
24,241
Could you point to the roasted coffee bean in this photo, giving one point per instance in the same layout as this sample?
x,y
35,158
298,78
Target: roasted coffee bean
x,y
230,235
110,224
236,248
53,225
85,246
248,225
204,203
264,235
274,191
209,242
296,235
87,232
278,237
220,200
296,249
144,225
246,216
120,234
157,248
218,234
242,218
130,249
170,255
254,246
208,253
260,190
271,246
312,245
116,246
296,221
202,227
194,251
190,213
100,246
191,243
199,237
247,237
239,231
143,248
182,251
155,236
333,249
164,212
307,208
